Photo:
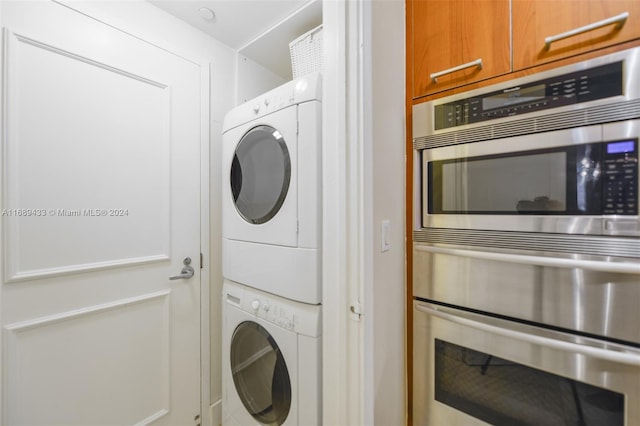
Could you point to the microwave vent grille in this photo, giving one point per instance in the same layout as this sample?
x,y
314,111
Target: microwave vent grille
x,y
519,127
532,241
626,110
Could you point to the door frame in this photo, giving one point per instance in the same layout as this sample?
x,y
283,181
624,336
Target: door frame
x,y
346,264
205,197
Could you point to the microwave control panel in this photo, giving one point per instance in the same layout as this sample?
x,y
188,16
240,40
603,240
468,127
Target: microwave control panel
x,y
620,183
573,88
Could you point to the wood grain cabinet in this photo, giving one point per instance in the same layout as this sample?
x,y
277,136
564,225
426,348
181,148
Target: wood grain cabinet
x,y
549,30
455,42
452,43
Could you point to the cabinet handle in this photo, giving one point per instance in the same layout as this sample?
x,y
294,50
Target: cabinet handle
x,y
619,20
476,63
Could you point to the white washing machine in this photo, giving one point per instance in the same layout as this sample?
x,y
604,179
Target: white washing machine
x,y
271,198
271,360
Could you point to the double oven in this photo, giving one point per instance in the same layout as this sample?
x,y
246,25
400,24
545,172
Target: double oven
x,y
526,250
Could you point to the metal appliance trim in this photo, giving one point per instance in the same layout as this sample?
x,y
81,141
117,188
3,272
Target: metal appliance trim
x,y
618,111
605,247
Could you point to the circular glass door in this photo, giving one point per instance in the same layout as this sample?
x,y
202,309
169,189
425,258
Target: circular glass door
x,y
260,174
260,374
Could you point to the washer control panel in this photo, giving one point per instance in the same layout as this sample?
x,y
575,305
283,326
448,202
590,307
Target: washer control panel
x,y
297,317
274,313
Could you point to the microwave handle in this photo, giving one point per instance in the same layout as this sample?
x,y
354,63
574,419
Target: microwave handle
x,y
504,330
614,267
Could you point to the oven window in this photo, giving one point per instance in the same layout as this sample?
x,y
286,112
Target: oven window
x,y
502,392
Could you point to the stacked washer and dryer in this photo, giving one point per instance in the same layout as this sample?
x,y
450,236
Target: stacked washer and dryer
x,y
271,207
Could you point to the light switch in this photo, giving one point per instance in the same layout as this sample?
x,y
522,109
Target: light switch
x,y
385,245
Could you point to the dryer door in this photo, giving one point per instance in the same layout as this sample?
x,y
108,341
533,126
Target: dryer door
x,y
260,374
259,168
260,174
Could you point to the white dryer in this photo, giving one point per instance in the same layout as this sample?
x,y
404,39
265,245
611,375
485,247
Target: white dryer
x,y
271,360
271,205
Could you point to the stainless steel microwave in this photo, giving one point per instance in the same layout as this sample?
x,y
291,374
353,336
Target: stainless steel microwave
x,y
555,152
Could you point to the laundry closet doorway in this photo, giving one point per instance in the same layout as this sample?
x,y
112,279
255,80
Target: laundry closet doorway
x,y
101,206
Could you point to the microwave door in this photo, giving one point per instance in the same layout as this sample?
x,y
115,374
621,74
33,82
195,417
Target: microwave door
x,y
503,184
493,184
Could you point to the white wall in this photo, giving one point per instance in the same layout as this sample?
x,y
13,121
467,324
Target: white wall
x,y
154,25
384,347
254,79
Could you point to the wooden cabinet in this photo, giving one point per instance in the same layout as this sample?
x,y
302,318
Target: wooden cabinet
x,y
508,36
446,34
602,23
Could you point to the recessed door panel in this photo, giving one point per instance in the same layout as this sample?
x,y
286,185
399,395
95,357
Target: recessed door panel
x,y
82,174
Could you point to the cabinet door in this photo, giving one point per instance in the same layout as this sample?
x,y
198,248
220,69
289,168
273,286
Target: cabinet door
x,y
536,20
450,33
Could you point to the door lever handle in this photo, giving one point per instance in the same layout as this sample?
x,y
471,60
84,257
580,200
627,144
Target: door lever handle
x,y
186,273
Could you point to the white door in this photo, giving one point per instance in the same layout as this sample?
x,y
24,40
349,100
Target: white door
x,y
100,205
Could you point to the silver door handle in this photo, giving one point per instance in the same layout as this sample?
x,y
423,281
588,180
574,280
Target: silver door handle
x,y
477,63
186,273
619,20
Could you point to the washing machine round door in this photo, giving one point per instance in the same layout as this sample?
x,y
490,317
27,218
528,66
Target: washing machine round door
x,y
260,374
260,174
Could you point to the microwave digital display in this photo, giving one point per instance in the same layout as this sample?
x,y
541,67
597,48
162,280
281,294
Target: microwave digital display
x,y
514,96
621,147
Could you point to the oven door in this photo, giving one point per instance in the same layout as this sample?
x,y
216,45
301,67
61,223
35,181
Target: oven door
x,y
472,369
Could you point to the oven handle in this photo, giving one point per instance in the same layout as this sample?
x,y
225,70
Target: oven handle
x,y
623,268
607,355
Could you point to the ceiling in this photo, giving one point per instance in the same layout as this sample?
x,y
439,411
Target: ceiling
x,y
259,29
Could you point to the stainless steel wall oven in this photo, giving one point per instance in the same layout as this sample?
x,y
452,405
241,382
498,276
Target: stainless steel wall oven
x,y
526,245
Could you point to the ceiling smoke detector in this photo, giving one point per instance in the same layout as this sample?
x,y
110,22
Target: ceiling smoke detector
x,y
207,14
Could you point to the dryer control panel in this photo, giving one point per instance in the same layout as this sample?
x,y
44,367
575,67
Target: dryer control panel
x,y
272,102
303,89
